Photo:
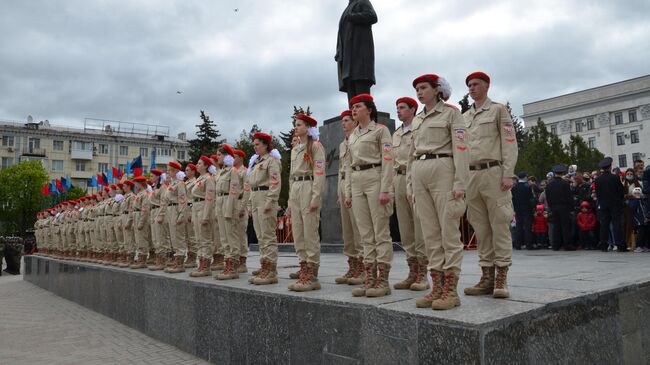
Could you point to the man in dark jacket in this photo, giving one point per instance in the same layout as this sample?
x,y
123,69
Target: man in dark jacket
x,y
355,48
523,202
610,194
560,202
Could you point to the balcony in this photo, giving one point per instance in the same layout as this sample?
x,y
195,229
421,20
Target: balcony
x,y
33,151
78,154
81,174
163,160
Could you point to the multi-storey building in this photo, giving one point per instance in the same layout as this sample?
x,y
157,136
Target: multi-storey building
x,y
97,147
611,118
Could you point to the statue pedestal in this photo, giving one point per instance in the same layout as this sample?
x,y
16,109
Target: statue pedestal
x,y
331,135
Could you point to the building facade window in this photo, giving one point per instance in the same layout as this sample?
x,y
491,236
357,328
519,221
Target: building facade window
x,y
124,150
82,146
7,141
590,123
636,156
618,118
80,166
103,148
620,139
554,128
57,145
592,142
578,126
632,116
144,151
181,155
634,136
57,165
121,167
7,161
164,152
34,143
102,167
622,160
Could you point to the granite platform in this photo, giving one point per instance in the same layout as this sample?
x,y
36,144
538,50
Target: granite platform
x,y
580,307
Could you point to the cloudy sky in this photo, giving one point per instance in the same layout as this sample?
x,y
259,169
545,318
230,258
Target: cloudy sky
x,y
245,61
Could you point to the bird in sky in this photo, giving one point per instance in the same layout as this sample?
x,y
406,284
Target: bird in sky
x,y
236,10
179,92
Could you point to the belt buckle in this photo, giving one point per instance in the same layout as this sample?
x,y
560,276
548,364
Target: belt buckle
x,y
422,157
357,168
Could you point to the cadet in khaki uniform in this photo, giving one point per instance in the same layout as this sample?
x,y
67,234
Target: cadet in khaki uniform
x,y
160,250
164,236
190,181
116,212
493,155
351,239
241,220
306,184
142,209
202,196
128,218
371,184
176,201
264,181
112,214
109,233
217,247
99,225
227,192
80,229
436,176
409,221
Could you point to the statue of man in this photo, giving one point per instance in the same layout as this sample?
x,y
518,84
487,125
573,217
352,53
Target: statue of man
x,y
355,49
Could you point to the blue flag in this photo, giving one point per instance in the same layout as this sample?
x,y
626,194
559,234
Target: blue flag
x,y
92,182
128,168
153,159
104,179
110,175
64,184
68,183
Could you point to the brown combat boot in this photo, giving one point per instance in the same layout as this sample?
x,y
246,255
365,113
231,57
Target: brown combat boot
x,y
259,271
217,262
309,280
368,282
115,259
242,265
158,263
421,282
229,271
203,269
436,290
448,296
303,267
125,261
151,257
501,283
269,274
190,262
298,274
412,263
485,285
359,275
177,267
382,286
352,263
140,263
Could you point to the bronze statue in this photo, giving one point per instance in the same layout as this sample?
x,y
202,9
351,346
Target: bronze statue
x,y
355,48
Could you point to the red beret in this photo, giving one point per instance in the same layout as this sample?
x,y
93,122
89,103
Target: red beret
x,y
113,186
226,147
192,166
63,203
95,195
367,98
126,182
214,156
346,113
107,189
306,118
477,75
140,179
263,136
159,172
433,78
408,101
240,153
175,165
206,160
120,185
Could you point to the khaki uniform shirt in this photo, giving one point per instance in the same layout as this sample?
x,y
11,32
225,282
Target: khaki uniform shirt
x,y
177,194
128,209
300,166
266,172
205,189
492,136
189,185
441,130
344,163
228,188
372,145
246,190
143,206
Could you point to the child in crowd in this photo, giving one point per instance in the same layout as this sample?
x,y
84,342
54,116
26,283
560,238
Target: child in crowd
x,y
540,227
586,221
639,210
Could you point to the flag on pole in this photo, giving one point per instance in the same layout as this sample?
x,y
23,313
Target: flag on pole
x,y
128,168
94,181
153,159
136,165
104,179
117,174
99,179
68,183
58,185
45,190
110,175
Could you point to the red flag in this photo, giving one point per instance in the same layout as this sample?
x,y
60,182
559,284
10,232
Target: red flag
x,y
45,189
100,179
58,185
117,174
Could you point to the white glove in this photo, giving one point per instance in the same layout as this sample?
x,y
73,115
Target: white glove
x,y
119,197
212,169
180,176
149,189
228,160
275,154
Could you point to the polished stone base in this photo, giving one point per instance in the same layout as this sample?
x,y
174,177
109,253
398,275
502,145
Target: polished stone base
x,y
565,308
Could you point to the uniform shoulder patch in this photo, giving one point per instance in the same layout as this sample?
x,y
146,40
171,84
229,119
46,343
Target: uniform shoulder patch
x,y
452,106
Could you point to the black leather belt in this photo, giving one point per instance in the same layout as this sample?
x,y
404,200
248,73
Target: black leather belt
x,y
260,188
401,172
172,204
240,197
199,199
222,194
365,167
303,178
189,205
430,156
136,209
484,166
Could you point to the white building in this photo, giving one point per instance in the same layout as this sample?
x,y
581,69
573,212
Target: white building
x,y
614,118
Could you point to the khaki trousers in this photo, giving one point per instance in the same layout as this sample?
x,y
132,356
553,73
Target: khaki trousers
x,y
242,234
227,230
304,223
373,219
217,245
490,213
157,232
264,224
177,232
351,239
119,233
191,236
142,236
129,237
432,185
409,222
111,242
203,232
